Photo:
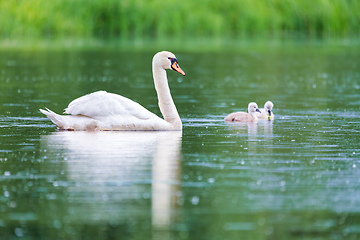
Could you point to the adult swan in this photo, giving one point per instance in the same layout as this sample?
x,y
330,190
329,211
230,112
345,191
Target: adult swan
x,y
107,111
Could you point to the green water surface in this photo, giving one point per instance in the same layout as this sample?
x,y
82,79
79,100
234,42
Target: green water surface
x,y
294,178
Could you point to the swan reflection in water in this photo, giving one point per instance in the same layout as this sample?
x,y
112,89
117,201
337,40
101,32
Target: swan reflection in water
x,y
113,176
255,132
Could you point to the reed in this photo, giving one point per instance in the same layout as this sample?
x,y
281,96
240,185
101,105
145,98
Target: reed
x,y
124,20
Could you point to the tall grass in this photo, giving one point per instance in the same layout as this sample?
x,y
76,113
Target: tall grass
x,y
157,19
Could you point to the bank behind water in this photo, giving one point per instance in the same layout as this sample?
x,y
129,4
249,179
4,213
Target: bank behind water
x,y
196,23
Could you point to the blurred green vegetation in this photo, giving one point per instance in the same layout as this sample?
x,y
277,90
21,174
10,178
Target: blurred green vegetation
x,y
140,20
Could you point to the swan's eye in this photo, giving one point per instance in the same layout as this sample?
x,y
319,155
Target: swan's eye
x,y
174,63
172,60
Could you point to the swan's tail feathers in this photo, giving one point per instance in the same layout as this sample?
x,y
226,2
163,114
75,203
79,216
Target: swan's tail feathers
x,y
55,118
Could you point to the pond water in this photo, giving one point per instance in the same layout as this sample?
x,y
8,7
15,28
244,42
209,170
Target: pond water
x,y
296,177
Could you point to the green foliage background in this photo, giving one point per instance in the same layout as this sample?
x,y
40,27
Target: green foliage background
x,y
124,20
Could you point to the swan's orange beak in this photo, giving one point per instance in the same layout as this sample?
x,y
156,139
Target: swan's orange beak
x,y
175,67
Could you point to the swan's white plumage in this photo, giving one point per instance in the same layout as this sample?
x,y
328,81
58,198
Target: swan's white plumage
x,y
101,103
108,111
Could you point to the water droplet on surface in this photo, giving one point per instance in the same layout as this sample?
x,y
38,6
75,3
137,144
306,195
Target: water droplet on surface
x,y
7,173
19,232
354,165
211,180
6,194
57,224
12,204
51,196
195,200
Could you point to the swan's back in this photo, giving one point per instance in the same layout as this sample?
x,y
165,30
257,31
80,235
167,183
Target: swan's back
x,y
103,104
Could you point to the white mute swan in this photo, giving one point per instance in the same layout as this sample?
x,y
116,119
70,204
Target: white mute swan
x,y
266,112
107,111
243,116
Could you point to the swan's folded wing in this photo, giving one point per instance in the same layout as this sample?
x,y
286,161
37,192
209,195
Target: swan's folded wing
x,y
103,104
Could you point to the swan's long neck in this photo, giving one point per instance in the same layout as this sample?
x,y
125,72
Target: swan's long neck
x,y
166,103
